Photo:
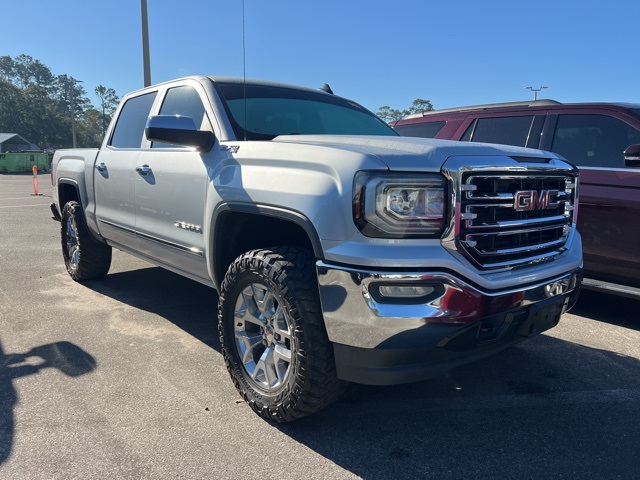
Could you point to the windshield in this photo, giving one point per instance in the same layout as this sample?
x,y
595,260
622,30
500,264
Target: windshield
x,y
273,111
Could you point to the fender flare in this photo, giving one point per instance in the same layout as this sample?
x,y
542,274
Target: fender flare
x,y
280,213
83,201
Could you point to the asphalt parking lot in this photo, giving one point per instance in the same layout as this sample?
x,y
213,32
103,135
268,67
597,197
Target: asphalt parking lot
x,y
123,378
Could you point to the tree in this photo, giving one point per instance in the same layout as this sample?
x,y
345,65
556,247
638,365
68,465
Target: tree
x,y
37,105
12,107
67,86
70,93
108,103
23,70
389,114
420,105
7,68
90,128
41,74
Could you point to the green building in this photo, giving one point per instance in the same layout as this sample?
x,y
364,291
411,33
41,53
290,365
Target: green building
x,y
20,155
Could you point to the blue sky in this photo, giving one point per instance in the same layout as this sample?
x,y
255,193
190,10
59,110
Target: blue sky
x,y
453,53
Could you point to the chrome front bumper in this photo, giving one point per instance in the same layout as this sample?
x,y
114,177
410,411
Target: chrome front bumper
x,y
379,340
353,316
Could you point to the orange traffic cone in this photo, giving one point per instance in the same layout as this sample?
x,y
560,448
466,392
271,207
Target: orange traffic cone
x,y
35,181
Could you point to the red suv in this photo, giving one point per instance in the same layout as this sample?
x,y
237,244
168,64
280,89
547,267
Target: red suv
x,y
602,139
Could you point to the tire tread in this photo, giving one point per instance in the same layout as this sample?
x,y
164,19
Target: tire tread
x,y
94,257
316,384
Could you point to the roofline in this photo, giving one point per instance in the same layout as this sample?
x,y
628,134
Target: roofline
x,y
536,103
222,79
10,136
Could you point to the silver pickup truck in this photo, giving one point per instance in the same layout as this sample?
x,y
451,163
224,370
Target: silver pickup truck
x,y
340,251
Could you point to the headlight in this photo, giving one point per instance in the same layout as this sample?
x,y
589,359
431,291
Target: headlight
x,y
399,205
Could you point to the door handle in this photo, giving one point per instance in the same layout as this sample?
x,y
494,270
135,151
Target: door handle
x,y
101,168
144,170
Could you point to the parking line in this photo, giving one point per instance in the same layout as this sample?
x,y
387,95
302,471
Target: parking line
x,y
18,206
22,198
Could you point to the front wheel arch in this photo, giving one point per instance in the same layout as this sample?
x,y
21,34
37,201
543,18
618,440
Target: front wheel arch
x,y
238,227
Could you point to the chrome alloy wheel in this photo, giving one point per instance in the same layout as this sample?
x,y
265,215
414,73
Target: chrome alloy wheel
x,y
73,248
263,336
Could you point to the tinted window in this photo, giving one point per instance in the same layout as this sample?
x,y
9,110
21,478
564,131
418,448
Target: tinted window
x,y
467,134
273,111
593,140
426,130
183,101
505,130
129,129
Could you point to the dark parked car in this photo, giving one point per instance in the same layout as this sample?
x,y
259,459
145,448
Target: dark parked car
x,y
602,139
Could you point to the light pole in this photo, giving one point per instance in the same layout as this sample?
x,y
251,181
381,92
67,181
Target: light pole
x,y
145,44
535,91
73,110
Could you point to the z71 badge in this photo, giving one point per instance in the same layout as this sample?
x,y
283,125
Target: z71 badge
x,y
230,148
188,226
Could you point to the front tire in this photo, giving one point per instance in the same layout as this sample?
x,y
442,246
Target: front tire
x,y
273,337
84,257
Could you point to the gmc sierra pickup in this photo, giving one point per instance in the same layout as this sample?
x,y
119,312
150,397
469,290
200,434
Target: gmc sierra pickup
x,y
340,251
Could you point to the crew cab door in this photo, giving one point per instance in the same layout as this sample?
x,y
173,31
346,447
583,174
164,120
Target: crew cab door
x,y
171,188
594,140
114,172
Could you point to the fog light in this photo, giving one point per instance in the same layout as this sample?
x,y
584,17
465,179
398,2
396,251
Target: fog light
x,y
405,291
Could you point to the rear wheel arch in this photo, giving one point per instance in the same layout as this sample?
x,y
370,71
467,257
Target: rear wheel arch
x,y
68,191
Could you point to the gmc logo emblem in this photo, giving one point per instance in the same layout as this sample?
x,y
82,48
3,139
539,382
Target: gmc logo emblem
x,y
528,200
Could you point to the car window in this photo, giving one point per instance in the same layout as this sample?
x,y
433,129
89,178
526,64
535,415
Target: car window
x,y
593,140
467,134
271,111
424,130
504,130
129,130
183,101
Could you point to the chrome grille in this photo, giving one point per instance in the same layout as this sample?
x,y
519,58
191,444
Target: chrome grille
x,y
512,219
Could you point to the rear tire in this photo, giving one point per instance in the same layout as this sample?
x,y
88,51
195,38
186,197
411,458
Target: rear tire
x,y
273,337
84,257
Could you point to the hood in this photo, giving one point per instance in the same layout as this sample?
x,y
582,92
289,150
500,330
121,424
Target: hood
x,y
411,153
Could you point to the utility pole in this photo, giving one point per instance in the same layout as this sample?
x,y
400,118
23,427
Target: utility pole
x,y
145,44
73,110
535,91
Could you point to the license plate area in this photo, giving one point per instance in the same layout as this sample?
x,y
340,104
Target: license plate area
x,y
543,316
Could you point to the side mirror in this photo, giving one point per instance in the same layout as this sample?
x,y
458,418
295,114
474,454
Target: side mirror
x,y
178,130
632,156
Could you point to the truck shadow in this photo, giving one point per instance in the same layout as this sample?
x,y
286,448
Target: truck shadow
x,y
544,406
63,356
189,305
613,309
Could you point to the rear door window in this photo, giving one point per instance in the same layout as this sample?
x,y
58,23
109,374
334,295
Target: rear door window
x,y
129,130
424,130
504,130
593,140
